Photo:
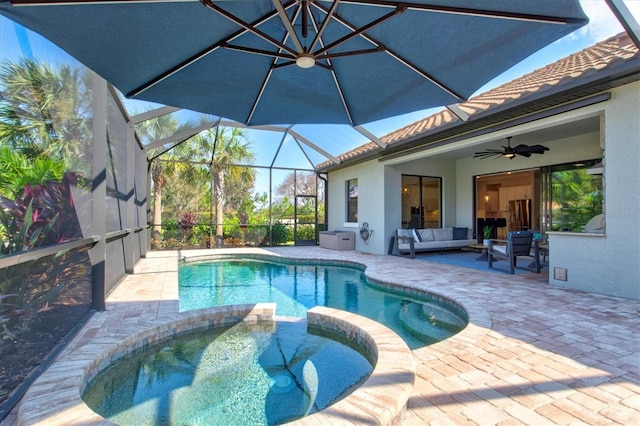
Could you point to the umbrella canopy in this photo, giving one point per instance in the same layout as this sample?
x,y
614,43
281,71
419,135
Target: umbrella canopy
x,y
299,61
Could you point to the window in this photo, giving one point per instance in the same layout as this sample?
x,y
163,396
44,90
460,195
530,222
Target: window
x,y
421,202
572,196
352,200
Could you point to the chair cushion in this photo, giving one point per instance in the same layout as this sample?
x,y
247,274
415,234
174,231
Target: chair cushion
x,y
501,249
595,224
459,233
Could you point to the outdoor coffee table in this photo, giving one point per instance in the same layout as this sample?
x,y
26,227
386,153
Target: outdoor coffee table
x,y
485,251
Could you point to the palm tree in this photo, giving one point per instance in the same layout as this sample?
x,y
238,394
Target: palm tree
x,y
228,147
46,111
17,170
152,130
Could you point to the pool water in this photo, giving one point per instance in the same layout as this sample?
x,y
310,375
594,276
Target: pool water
x,y
297,287
260,374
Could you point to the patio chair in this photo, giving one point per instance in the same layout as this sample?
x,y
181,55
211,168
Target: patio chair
x,y
518,244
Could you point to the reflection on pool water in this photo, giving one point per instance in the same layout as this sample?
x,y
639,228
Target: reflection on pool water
x,y
296,287
265,373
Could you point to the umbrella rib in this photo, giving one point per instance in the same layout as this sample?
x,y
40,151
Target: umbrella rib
x,y
198,56
347,110
350,53
399,58
267,77
470,11
288,26
257,51
426,75
248,27
324,25
358,31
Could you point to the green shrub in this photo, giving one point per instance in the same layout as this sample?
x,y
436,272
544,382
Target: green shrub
x,y
306,232
279,234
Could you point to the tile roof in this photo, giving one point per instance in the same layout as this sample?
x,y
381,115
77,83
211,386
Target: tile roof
x,y
548,78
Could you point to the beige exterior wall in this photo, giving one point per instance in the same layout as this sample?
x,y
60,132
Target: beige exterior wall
x,y
610,264
606,264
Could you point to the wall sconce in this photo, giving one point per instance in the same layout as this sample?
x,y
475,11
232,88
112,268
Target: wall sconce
x,y
486,198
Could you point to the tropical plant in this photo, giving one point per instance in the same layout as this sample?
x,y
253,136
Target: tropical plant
x,y
17,170
229,148
579,197
42,215
150,131
48,109
486,232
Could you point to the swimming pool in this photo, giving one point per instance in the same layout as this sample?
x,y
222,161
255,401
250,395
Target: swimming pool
x,y
296,286
245,374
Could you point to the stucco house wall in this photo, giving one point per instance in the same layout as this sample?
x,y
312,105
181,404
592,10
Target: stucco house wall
x,y
610,263
607,264
371,203
379,188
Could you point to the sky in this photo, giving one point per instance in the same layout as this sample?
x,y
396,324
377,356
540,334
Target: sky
x,y
337,139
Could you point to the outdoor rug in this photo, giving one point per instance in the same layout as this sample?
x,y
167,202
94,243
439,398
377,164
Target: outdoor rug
x,y
467,259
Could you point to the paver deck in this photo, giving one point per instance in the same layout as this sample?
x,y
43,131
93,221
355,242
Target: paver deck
x,y
532,354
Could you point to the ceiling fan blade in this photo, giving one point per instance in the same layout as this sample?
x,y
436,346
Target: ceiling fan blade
x,y
538,149
510,152
487,154
490,151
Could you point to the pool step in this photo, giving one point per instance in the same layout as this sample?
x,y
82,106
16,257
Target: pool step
x,y
424,324
445,317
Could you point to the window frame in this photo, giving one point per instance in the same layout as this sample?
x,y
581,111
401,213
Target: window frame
x,y
351,203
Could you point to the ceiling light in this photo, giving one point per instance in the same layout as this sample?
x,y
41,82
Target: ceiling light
x,y
305,61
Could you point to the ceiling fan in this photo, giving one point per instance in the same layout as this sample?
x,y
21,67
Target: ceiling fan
x,y
509,152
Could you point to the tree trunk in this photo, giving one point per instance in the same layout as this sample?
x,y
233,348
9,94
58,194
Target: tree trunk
x,y
157,214
219,202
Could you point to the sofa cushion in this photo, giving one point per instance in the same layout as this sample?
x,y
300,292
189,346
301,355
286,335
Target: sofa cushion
x,y
459,233
443,234
425,235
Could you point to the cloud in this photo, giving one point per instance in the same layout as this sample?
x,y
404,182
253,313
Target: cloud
x,y
602,22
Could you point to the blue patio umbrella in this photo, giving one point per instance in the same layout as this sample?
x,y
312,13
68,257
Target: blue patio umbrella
x,y
299,61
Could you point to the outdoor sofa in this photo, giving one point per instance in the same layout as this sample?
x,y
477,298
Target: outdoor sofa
x,y
410,241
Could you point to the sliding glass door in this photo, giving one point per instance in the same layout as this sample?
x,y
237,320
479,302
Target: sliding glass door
x,y
421,201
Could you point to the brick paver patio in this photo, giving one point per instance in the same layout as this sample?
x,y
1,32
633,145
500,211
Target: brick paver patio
x,y
532,354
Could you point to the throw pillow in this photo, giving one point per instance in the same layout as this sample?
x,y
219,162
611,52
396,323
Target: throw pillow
x,y
416,236
404,235
459,233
